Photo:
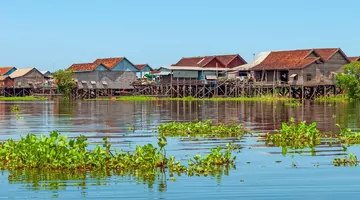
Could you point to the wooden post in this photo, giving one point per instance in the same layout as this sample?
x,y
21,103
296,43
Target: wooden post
x,y
302,94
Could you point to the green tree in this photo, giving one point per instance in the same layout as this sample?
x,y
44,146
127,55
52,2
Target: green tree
x,y
349,80
64,81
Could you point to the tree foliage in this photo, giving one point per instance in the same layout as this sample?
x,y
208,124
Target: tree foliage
x,y
349,80
64,81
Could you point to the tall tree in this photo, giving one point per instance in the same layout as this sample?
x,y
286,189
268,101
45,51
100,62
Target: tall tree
x,y
349,80
64,80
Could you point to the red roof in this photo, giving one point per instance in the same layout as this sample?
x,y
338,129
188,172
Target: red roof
x,y
82,67
109,62
327,53
294,59
354,59
155,71
202,61
4,70
141,66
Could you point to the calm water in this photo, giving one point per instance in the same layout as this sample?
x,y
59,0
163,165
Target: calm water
x,y
257,174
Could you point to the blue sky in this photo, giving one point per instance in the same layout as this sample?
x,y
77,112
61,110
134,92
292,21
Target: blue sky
x,y
54,34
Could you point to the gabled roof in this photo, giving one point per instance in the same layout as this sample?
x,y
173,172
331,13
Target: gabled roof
x,y
4,70
202,61
354,59
83,67
44,72
293,59
327,53
226,59
142,66
21,72
2,78
109,62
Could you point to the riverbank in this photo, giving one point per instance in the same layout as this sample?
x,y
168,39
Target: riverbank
x,y
146,98
26,98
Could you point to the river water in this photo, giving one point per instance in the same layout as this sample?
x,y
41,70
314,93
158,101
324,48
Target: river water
x,y
261,172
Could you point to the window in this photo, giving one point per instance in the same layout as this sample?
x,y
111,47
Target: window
x,y
295,78
322,73
308,77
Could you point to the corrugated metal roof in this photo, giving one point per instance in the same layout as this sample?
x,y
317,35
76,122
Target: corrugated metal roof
x,y
4,70
354,59
291,59
257,60
20,72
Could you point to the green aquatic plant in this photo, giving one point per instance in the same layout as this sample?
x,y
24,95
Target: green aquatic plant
x,y
205,128
57,152
347,161
331,98
26,98
296,135
15,109
211,164
347,136
293,104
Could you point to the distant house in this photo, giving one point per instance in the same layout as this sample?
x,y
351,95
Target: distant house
x,y
27,78
6,71
142,70
300,67
354,59
205,67
47,74
105,73
117,64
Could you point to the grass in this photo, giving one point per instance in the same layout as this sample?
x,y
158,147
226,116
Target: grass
x,y
146,98
27,98
332,98
201,128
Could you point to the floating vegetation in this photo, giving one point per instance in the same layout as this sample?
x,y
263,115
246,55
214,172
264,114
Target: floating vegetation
x,y
27,98
56,152
347,161
331,98
15,109
293,104
204,128
347,136
210,164
296,136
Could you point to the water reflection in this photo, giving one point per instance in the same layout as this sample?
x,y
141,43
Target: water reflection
x,y
97,119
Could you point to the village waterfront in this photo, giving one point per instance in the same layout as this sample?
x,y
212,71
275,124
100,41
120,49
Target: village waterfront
x,y
262,171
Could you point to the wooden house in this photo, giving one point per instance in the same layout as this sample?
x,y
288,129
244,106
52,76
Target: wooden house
x,y
105,73
205,67
300,67
142,70
27,78
121,64
354,59
6,71
6,82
